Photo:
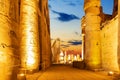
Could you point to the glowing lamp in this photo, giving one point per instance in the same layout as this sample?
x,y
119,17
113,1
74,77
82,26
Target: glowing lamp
x,y
68,57
22,74
75,58
110,73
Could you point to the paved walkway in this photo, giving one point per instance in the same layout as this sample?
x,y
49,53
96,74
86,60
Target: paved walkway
x,y
58,72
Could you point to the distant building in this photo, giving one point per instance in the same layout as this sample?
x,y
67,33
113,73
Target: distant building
x,y
68,56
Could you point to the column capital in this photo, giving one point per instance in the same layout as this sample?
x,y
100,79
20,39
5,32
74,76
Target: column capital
x,y
91,3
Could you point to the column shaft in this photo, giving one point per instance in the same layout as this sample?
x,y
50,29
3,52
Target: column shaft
x,y
29,41
92,34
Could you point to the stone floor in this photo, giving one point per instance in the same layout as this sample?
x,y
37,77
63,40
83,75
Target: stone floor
x,y
63,72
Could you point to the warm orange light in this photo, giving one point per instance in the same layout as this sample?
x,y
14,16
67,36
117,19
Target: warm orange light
x,y
68,57
75,58
110,73
61,54
2,57
65,57
61,58
22,74
30,61
29,34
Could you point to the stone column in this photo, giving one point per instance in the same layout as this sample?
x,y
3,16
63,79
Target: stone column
x,y
8,40
29,35
119,33
83,46
45,34
92,34
83,24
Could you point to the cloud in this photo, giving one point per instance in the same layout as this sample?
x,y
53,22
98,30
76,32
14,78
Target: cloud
x,y
75,42
49,6
64,46
63,17
72,4
76,33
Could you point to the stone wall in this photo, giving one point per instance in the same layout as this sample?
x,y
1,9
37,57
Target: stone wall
x,y
109,44
24,37
119,33
109,35
44,26
9,56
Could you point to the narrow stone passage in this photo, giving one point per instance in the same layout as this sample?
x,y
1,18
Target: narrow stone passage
x,y
63,72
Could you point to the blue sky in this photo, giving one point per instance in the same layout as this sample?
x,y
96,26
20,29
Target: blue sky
x,y
65,18
107,6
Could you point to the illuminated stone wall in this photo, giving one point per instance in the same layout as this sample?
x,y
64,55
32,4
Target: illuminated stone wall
x,y
109,44
9,21
44,26
92,34
29,35
109,40
35,45
83,25
24,37
119,33
101,29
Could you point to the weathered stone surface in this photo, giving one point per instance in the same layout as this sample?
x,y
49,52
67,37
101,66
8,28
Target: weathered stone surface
x,y
101,36
118,33
29,37
92,33
44,27
9,60
109,45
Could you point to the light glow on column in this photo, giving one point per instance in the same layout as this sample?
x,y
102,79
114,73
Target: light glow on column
x,y
82,54
29,35
30,60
